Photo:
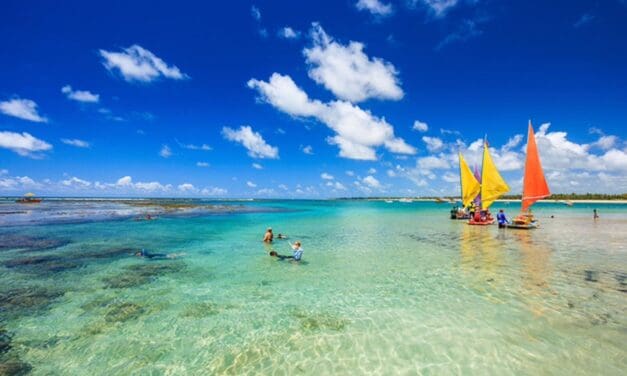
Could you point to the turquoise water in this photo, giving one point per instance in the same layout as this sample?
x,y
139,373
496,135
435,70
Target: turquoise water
x,y
383,289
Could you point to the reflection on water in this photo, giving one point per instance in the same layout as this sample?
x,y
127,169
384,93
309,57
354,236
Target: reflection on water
x,y
383,289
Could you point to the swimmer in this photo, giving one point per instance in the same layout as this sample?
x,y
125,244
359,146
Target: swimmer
x,y
281,236
268,237
155,256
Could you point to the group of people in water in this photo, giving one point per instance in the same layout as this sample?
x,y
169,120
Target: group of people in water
x,y
297,250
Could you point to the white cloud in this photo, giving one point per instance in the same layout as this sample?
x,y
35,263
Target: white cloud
x,y
80,95
438,8
606,142
371,181
372,171
253,141
124,181
257,166
336,185
251,184
213,191
23,144
432,162
307,149
391,173
434,144
76,142
165,151
449,177
326,176
4,171
187,188
350,173
202,164
420,126
375,7
18,183
76,183
358,131
136,63
289,33
348,72
25,109
203,147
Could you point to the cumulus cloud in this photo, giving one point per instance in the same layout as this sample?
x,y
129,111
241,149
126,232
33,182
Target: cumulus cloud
x,y
187,188
76,142
165,151
288,33
375,7
326,176
433,143
136,63
371,181
420,126
358,132
76,183
251,184
255,13
253,141
213,191
202,164
307,149
23,144
25,109
257,166
372,171
348,72
80,95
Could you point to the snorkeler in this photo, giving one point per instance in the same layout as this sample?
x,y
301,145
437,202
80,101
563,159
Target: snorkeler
x,y
281,236
154,256
296,255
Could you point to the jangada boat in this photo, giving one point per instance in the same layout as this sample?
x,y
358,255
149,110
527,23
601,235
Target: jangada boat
x,y
28,198
492,187
470,188
534,185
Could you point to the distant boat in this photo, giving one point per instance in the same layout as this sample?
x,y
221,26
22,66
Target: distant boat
x,y
405,200
389,201
440,200
29,198
493,186
534,185
470,189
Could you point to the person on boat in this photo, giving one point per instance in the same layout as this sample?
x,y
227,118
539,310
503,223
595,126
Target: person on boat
x,y
502,219
472,209
476,216
297,253
268,237
154,256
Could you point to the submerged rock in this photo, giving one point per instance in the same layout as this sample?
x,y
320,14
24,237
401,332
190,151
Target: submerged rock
x,y
26,299
591,275
14,367
140,274
199,310
44,264
124,311
5,341
30,243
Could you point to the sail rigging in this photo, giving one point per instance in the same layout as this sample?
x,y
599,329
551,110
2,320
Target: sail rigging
x,y
492,184
535,186
469,185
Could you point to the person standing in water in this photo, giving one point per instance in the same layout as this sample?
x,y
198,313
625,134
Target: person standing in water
x,y
502,219
596,215
268,237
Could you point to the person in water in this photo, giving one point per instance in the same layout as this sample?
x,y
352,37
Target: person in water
x,y
502,219
296,255
154,256
596,215
281,236
268,237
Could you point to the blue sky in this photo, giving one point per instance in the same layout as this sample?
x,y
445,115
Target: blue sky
x,y
307,99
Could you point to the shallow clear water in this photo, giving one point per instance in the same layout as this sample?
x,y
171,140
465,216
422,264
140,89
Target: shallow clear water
x,y
383,289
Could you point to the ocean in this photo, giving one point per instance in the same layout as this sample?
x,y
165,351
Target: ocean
x,y
383,288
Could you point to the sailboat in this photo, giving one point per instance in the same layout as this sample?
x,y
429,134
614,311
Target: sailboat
x,y
534,185
492,187
470,188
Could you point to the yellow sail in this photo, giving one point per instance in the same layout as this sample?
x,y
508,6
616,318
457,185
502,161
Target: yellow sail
x,y
492,184
470,185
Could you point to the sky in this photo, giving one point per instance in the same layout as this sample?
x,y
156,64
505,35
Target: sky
x,y
308,99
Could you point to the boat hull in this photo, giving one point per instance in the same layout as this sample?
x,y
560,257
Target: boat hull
x,y
521,226
482,223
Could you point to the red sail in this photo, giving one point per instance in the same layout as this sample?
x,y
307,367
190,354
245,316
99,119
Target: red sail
x,y
534,184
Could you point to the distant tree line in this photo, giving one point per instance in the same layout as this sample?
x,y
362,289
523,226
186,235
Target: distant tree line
x,y
555,196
